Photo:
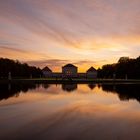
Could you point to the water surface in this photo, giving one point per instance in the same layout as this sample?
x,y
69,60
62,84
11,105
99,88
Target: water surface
x,y
70,111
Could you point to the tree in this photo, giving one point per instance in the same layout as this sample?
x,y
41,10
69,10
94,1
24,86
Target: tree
x,y
123,60
17,69
125,66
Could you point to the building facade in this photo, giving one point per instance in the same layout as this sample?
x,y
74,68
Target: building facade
x,y
69,70
47,72
91,73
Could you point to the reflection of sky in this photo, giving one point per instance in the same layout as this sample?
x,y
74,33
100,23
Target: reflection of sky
x,y
83,93
84,113
97,32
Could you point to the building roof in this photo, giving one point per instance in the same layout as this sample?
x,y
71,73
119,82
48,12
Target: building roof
x,y
70,65
91,69
47,69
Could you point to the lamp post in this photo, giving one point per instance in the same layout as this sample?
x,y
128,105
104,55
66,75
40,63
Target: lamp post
x,y
9,76
114,76
126,77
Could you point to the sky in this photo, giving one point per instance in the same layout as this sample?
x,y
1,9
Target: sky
x,y
56,32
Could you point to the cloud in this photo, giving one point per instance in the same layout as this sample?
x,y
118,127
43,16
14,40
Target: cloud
x,y
36,30
18,54
50,63
69,22
56,64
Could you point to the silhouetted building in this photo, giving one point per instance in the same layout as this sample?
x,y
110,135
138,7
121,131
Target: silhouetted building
x,y
69,70
82,75
47,72
57,75
91,86
91,73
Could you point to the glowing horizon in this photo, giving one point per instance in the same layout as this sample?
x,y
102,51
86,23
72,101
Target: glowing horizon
x,y
56,32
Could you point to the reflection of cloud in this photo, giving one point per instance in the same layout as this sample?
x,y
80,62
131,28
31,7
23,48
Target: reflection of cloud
x,y
69,87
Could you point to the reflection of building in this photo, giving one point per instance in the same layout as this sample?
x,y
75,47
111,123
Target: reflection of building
x,y
92,73
46,86
69,70
69,87
47,72
91,86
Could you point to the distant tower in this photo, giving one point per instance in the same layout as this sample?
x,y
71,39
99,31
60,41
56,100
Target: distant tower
x,y
31,76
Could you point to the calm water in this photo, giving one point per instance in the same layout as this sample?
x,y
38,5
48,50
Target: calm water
x,y
70,112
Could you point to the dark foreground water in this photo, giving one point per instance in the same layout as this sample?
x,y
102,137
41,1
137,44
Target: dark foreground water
x,y
69,112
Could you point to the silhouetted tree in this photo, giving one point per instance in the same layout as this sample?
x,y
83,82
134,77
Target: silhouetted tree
x,y
17,69
125,67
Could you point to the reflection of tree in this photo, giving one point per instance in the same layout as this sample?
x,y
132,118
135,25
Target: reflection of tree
x,y
9,90
69,87
91,86
124,91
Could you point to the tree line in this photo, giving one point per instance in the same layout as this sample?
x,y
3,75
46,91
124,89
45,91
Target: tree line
x,y
17,69
125,68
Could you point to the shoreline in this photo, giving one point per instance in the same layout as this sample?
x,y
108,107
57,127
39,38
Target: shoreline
x,y
67,81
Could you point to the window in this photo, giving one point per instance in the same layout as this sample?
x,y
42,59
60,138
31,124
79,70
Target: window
x,y
68,72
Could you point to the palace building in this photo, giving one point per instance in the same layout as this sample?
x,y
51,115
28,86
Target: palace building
x,y
70,71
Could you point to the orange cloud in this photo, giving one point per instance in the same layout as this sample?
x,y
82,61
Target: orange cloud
x,y
19,54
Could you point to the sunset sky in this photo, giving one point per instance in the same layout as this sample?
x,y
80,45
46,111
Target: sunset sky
x,y
56,32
